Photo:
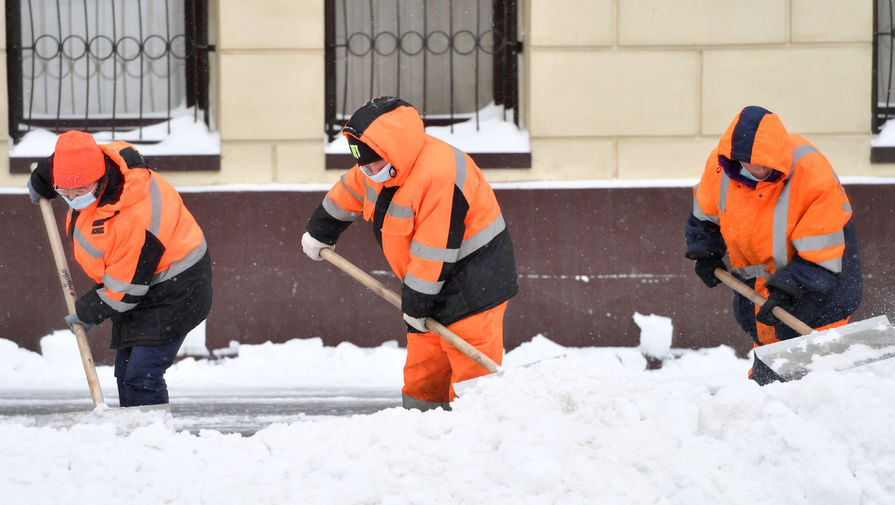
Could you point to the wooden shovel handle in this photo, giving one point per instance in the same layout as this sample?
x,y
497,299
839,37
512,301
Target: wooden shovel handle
x,y
741,288
434,326
68,289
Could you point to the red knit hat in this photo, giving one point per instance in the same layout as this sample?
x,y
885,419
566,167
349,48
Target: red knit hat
x,y
78,160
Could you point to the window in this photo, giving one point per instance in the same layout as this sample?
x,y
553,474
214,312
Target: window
x,y
455,61
134,71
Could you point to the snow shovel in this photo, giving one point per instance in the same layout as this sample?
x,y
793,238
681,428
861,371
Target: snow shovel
x,y
431,324
125,419
836,349
68,289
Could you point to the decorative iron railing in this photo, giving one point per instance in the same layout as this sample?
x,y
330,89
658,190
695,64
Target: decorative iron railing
x,y
106,64
448,58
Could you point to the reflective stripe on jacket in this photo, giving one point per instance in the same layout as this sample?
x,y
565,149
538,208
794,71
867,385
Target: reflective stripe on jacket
x,y
792,230
437,220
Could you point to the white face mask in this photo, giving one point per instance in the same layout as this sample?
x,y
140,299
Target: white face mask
x,y
80,202
387,172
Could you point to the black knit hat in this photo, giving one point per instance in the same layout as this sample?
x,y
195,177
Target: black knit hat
x,y
362,152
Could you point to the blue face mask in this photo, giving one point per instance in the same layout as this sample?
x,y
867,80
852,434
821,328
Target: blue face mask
x,y
80,202
745,173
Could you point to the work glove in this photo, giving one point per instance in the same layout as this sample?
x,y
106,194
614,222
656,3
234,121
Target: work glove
x,y
312,246
40,184
35,196
417,323
705,269
776,297
71,319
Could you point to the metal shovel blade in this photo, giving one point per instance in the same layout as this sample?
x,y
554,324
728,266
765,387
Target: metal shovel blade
x,y
836,349
124,419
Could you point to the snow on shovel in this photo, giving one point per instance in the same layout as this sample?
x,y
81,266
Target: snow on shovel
x,y
101,413
836,349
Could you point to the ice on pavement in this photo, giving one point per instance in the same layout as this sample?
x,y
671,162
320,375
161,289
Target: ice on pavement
x,y
594,426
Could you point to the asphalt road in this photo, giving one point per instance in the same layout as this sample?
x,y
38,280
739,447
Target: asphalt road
x,y
243,412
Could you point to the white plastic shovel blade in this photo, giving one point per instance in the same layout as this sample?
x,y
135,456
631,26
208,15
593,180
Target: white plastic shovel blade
x,y
837,349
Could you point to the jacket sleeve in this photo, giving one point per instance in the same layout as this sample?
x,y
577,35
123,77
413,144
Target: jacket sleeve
x,y
819,239
704,239
801,276
129,269
435,245
703,232
341,206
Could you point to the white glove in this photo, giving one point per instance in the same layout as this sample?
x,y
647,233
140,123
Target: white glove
x,y
312,246
417,323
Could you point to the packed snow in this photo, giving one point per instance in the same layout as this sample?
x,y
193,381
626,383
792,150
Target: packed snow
x,y
556,425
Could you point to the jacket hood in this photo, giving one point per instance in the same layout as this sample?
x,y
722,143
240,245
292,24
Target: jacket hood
x,y
391,127
756,135
126,186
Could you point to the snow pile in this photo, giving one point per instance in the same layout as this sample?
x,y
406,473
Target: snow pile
x,y
592,426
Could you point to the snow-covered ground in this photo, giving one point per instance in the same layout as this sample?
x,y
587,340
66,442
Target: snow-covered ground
x,y
593,426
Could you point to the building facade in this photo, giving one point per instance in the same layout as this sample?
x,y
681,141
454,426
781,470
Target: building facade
x,y
621,93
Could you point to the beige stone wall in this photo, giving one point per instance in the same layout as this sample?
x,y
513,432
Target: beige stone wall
x,y
627,89
268,91
5,178
648,86
271,85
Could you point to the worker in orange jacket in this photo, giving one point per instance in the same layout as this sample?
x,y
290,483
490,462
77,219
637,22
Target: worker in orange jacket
x,y
441,230
772,202
147,255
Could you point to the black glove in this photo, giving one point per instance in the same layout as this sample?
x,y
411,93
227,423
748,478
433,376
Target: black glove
x,y
40,184
705,269
71,319
776,297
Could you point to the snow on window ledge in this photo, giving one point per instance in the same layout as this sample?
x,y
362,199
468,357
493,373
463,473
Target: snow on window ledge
x,y
495,134
187,137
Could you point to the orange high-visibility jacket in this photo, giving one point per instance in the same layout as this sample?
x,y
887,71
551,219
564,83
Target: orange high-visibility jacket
x,y
791,231
136,237
437,220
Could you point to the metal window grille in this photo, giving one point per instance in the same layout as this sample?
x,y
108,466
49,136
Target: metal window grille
x,y
105,64
447,58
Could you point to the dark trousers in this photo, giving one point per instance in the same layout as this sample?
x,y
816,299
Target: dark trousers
x,y
140,371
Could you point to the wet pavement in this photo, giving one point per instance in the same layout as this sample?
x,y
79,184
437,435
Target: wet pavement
x,y
243,412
